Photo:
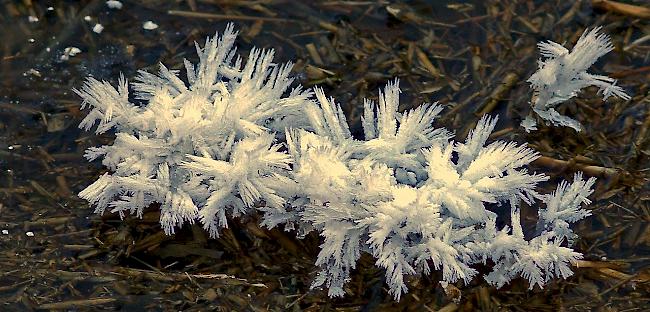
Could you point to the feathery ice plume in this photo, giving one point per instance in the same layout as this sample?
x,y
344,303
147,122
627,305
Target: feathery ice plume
x,y
196,148
407,193
562,74
413,198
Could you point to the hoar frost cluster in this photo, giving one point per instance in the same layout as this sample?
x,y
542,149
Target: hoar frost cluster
x,y
234,139
562,74
198,149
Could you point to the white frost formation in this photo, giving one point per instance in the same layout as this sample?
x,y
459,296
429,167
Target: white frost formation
x,y
196,149
414,199
213,148
562,74
114,4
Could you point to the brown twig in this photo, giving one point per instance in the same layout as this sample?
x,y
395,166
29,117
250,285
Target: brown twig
x,y
622,8
590,170
509,81
75,303
230,17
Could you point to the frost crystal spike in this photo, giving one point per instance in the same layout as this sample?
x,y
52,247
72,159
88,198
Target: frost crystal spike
x,y
561,74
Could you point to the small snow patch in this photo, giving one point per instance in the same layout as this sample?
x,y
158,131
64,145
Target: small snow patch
x,y
68,52
149,25
98,28
113,4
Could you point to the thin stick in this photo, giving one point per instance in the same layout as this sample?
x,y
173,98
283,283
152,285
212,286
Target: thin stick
x,y
622,8
230,17
509,81
549,162
75,303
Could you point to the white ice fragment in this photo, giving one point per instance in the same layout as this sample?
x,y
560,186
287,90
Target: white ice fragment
x,y
30,234
68,52
33,72
149,25
5,232
529,124
32,19
72,51
87,18
98,28
114,4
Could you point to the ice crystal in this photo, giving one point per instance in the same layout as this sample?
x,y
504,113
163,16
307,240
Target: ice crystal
x,y
407,193
199,148
561,74
437,214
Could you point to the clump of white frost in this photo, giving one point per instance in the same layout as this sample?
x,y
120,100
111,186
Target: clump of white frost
x,y
114,4
418,201
200,149
233,139
561,74
69,52
149,25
